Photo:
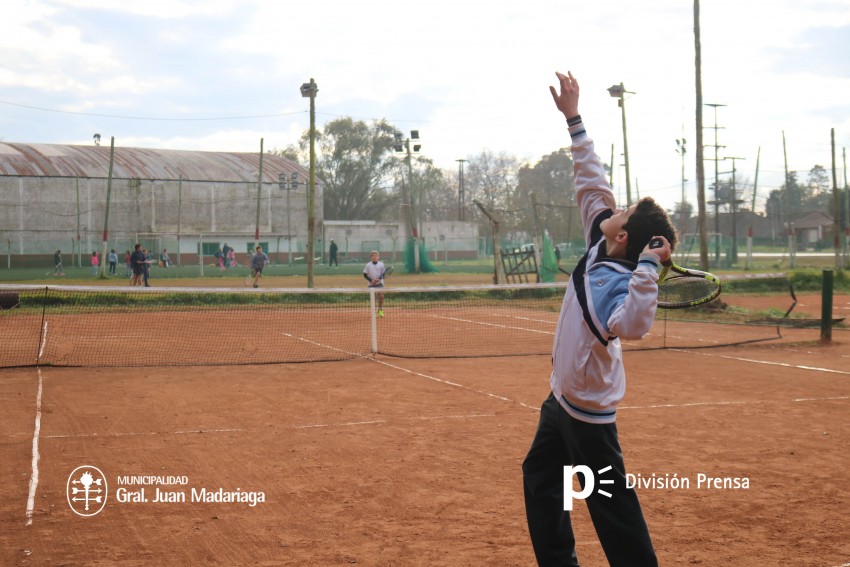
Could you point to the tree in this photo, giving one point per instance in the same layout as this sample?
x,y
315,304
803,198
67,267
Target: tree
x,y
439,199
818,181
792,196
551,180
355,162
491,179
819,189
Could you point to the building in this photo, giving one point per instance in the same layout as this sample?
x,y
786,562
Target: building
x,y
54,197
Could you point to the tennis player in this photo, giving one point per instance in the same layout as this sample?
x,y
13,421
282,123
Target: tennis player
x,y
612,294
374,274
138,262
258,262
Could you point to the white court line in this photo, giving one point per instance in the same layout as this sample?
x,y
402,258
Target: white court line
x,y
767,362
43,340
525,318
347,424
137,433
231,430
734,403
35,455
421,375
492,325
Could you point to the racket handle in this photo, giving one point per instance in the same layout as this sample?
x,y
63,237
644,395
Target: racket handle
x,y
658,243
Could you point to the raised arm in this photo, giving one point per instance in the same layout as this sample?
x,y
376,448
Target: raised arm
x,y
593,193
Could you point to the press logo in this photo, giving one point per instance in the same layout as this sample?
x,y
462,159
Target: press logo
x,y
86,490
588,484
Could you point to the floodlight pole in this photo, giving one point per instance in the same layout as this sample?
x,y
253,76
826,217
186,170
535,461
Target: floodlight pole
x,y
259,194
310,90
411,197
79,244
460,189
106,213
415,210
619,92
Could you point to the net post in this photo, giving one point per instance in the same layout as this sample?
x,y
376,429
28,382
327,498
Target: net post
x,y
374,321
826,307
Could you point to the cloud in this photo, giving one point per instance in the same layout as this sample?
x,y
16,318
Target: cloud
x,y
820,50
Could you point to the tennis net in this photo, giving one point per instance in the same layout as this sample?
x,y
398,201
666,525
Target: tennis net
x,y
109,326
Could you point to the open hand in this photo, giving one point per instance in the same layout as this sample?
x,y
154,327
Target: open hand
x,y
567,99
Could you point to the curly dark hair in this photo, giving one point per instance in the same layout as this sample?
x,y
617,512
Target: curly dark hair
x,y
649,219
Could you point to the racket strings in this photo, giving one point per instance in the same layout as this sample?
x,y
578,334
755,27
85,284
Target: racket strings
x,y
685,290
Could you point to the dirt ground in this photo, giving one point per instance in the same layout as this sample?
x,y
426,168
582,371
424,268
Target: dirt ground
x,y
392,462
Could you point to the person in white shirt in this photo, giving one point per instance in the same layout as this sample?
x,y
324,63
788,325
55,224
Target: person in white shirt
x,y
374,274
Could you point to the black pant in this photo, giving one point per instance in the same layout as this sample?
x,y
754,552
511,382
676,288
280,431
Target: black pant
x,y
562,440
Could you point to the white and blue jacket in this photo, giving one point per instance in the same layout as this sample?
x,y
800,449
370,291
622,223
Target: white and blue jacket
x,y
607,299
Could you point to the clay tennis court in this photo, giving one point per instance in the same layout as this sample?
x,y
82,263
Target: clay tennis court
x,y
399,461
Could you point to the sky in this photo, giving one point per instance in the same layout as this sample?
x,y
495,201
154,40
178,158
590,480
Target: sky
x,y
469,75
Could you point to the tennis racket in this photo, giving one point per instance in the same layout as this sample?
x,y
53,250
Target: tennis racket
x,y
387,271
249,279
679,288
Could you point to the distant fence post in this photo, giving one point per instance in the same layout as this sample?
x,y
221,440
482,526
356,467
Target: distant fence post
x,y
826,307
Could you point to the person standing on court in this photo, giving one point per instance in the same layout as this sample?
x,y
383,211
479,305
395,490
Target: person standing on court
x,y
225,255
146,266
95,262
374,274
612,295
112,258
258,262
137,261
333,250
57,264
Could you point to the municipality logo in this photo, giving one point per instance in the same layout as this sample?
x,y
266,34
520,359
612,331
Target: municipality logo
x,y
86,490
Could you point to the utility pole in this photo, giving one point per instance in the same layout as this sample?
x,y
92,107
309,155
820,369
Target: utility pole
x,y
716,201
681,150
846,213
836,221
753,214
792,236
734,201
700,163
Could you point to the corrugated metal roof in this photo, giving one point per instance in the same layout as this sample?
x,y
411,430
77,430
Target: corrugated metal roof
x,y
56,160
